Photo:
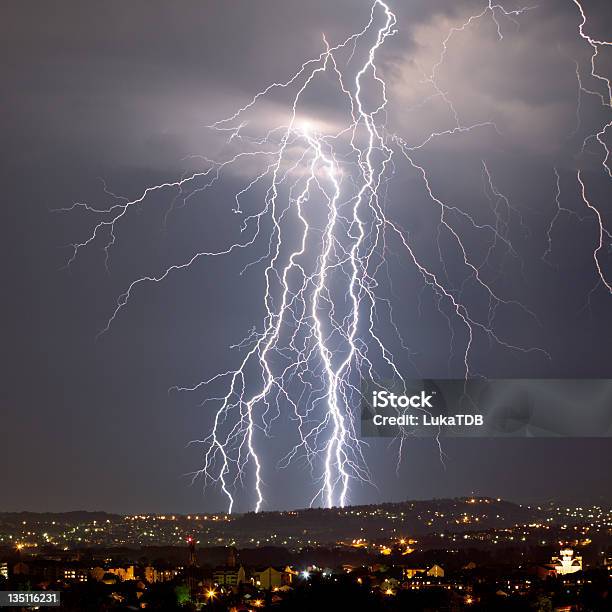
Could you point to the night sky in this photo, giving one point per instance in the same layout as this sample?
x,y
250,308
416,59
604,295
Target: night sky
x,y
123,92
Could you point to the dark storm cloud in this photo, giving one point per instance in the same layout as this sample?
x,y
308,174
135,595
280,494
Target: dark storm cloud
x,y
137,78
123,91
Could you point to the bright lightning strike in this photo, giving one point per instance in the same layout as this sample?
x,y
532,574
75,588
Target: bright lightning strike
x,y
599,137
324,226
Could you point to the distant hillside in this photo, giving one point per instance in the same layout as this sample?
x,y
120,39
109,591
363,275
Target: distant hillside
x,y
74,516
295,528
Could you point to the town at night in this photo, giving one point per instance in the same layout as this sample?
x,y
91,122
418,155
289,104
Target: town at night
x,y
306,305
450,554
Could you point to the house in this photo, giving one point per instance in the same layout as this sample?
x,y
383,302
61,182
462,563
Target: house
x,y
272,577
412,572
435,571
229,576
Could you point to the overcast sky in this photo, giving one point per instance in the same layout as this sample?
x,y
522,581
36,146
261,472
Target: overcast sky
x,y
124,91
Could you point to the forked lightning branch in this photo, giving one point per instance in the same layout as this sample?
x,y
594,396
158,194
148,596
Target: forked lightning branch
x,y
319,236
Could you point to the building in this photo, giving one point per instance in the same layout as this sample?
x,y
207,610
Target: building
x,y
567,562
76,574
411,572
435,571
229,576
191,557
4,570
270,577
123,573
158,574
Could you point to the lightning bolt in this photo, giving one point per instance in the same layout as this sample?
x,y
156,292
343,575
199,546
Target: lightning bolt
x,y
324,226
605,98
